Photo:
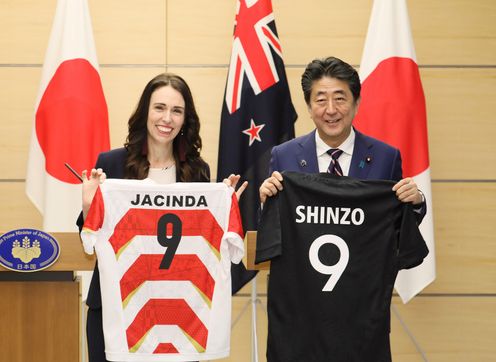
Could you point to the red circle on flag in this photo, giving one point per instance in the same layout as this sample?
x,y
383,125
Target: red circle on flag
x,y
72,120
392,109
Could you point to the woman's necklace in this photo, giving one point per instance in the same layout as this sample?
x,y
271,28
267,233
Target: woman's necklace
x,y
167,167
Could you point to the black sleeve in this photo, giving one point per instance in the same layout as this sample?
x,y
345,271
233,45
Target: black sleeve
x,y
240,276
269,236
420,211
80,221
412,247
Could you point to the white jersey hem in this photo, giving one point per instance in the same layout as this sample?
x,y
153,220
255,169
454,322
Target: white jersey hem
x,y
125,357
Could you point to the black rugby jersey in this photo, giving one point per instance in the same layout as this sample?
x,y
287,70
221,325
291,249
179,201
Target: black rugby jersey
x,y
336,245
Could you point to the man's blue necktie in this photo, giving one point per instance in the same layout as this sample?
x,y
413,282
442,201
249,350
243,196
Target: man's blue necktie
x,y
334,166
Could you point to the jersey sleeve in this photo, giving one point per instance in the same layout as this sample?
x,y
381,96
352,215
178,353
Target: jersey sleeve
x,y
93,222
269,238
235,233
412,246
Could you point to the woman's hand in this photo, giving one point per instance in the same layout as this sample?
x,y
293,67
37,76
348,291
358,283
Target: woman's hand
x,y
232,181
90,185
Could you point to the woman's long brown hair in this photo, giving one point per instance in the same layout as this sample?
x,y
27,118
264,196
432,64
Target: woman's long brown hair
x,y
186,146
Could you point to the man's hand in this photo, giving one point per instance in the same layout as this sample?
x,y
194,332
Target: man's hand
x,y
271,186
407,191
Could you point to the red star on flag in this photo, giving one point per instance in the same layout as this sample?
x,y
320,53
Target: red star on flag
x,y
254,132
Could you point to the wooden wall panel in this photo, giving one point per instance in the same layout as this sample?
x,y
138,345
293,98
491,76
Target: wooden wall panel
x,y
200,32
464,231
304,123
464,30
16,209
17,101
449,329
462,122
26,27
454,32
129,32
314,28
125,31
303,28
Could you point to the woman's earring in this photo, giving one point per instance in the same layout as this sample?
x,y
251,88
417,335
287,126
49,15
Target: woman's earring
x,y
182,146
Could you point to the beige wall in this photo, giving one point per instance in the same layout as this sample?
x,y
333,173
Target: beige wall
x,y
455,318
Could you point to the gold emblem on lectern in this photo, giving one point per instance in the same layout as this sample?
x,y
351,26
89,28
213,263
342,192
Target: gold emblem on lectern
x,y
27,251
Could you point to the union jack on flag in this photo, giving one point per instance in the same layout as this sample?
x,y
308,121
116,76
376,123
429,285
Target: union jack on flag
x,y
251,53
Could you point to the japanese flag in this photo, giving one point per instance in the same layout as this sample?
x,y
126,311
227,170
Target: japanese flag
x,y
71,118
392,109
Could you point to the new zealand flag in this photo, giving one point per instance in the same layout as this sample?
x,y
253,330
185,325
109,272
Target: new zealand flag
x,y
257,111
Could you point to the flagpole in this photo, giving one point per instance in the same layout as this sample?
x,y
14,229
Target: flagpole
x,y
254,339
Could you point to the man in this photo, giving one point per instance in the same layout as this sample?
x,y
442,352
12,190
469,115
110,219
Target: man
x,y
335,244
331,89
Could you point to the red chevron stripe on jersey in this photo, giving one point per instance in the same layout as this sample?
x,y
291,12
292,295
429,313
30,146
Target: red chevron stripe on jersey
x,y
144,222
165,348
167,312
183,267
235,223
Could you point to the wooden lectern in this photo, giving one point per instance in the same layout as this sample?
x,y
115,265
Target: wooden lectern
x,y
251,247
41,311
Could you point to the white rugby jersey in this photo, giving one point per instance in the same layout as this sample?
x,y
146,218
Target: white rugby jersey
x,y
164,254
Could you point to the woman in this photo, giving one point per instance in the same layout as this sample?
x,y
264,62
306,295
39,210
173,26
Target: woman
x,y
163,144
